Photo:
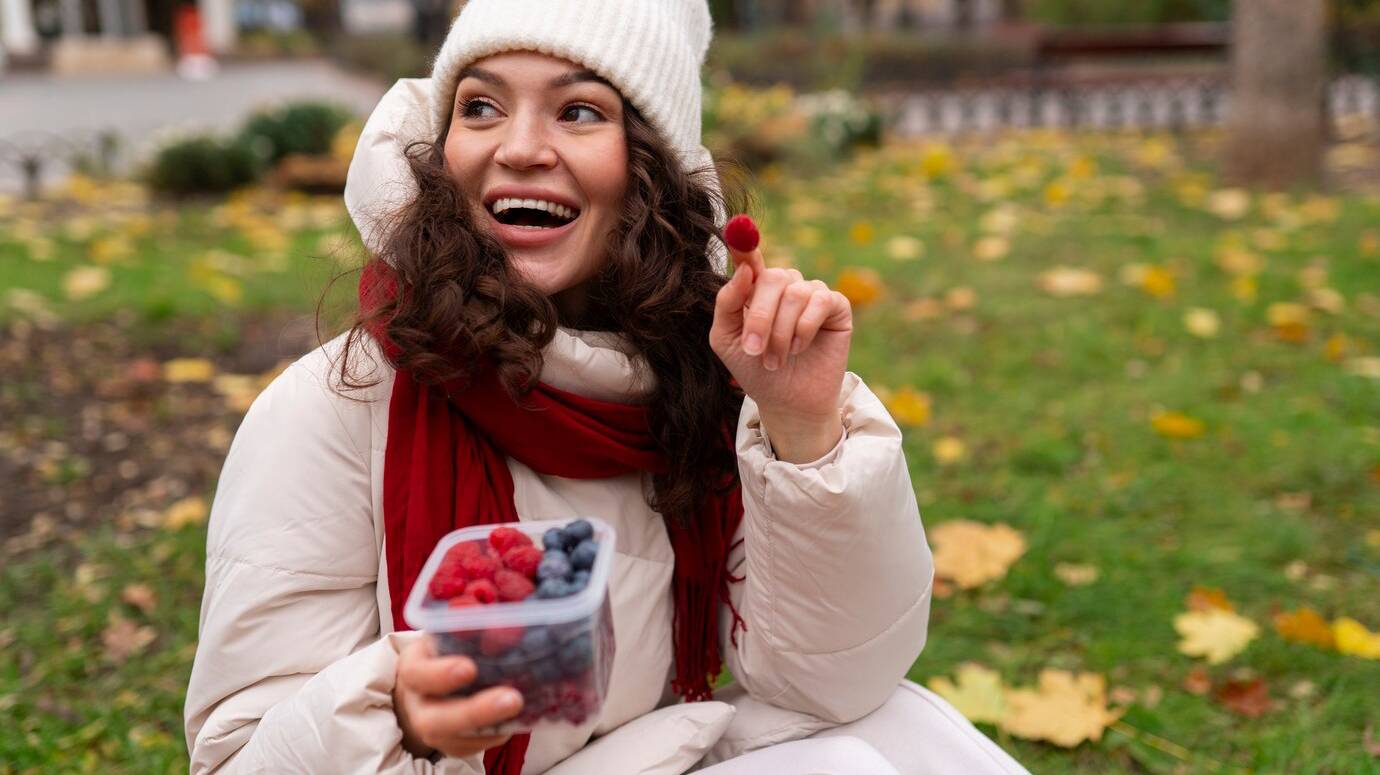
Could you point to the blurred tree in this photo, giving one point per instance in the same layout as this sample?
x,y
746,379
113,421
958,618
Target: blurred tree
x,y
1278,61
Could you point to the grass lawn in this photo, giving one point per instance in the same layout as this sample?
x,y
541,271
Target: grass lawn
x,y
1160,384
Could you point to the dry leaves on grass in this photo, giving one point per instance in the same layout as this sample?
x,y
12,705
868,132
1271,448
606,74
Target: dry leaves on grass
x,y
1202,322
1069,281
861,286
909,406
1176,425
1064,708
188,370
1250,698
949,450
976,692
1075,575
140,596
1354,639
123,638
971,554
188,511
84,282
1214,634
1305,626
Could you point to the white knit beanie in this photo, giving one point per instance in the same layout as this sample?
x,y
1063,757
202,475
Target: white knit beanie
x,y
650,50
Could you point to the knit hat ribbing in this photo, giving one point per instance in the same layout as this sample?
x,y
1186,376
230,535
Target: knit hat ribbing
x,y
651,50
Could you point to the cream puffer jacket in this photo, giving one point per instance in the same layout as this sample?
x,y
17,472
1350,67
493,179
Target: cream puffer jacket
x,y
297,656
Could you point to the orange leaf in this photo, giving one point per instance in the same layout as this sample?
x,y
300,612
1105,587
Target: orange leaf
x,y
1246,698
1305,626
1198,681
1208,598
861,286
1176,425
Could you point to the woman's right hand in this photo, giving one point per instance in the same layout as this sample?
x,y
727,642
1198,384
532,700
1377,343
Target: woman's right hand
x,y
432,721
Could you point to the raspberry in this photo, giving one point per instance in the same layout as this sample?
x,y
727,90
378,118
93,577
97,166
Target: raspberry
x,y
512,586
523,559
504,538
741,234
445,585
463,601
462,550
497,640
482,590
479,567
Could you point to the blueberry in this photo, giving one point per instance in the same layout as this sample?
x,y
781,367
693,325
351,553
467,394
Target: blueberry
x,y
576,655
554,565
512,664
547,671
583,556
579,580
552,588
577,531
553,539
536,641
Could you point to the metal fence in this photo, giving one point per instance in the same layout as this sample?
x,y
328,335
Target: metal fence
x,y
1169,104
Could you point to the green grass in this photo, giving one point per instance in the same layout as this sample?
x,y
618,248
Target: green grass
x,y
1052,398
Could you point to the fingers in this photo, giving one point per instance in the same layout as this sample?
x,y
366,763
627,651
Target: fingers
x,y
450,724
751,259
728,305
822,308
783,330
420,670
762,312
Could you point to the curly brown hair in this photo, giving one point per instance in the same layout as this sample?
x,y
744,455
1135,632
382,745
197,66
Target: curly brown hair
x,y
461,299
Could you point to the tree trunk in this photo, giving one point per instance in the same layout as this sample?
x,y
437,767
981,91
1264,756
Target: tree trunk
x,y
1278,62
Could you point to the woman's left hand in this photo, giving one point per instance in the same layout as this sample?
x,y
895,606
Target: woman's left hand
x,y
785,340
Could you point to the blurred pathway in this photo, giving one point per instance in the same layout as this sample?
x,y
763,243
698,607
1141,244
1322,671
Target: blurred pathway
x,y
60,113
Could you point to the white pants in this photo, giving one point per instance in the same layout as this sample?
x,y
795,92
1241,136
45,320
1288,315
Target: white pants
x,y
915,733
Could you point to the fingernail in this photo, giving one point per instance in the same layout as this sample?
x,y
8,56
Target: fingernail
x,y
795,345
509,700
770,362
753,345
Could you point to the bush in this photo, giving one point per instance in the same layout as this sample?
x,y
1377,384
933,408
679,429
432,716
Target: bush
x,y
756,127
205,163
297,128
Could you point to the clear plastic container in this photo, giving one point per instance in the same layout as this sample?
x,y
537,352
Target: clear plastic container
x,y
557,652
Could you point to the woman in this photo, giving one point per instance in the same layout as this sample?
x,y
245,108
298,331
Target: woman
x,y
542,206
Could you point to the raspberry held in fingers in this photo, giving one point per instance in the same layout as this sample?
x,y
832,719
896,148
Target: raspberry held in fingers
x,y
741,234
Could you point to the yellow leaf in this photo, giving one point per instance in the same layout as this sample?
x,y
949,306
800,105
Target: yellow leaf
x,y
904,248
937,160
188,511
1364,367
1176,425
1064,709
961,298
1290,321
1057,193
1353,638
910,407
1305,626
84,282
110,249
991,248
1067,281
1158,282
1329,300
977,693
1229,204
949,450
188,370
1236,260
861,286
1202,323
1214,633
971,553
1075,575
862,233
1243,287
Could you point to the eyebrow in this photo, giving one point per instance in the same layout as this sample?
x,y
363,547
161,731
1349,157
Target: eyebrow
x,y
572,77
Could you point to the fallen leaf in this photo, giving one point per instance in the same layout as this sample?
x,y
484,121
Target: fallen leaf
x,y
1068,281
84,282
1208,599
140,596
949,450
904,248
123,638
1354,639
1075,575
1229,203
862,233
1158,282
909,406
1305,626
1197,681
924,309
991,248
977,693
1176,425
1302,690
971,553
188,370
861,286
1289,320
1202,322
1236,260
1064,709
188,511
1214,634
961,298
1364,367
1245,698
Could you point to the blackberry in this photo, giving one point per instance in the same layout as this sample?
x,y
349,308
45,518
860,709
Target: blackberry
x,y
584,555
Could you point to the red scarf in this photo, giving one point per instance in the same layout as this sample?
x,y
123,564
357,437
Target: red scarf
x,y
445,468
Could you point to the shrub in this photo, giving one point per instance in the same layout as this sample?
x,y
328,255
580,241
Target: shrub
x,y
299,127
205,163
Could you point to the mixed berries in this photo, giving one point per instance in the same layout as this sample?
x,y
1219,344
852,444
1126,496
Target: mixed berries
x,y
560,668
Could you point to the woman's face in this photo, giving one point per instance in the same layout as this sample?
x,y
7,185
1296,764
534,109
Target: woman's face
x,y
537,144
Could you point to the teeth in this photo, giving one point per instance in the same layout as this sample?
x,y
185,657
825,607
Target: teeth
x,y
560,211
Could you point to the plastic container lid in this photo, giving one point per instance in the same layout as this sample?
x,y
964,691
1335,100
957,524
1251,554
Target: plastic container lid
x,y
532,611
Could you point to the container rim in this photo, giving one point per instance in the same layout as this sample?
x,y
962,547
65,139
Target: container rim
x,y
513,614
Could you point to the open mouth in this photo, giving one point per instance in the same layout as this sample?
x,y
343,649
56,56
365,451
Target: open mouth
x,y
532,213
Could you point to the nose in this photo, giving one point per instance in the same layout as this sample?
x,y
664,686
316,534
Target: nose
x,y
525,144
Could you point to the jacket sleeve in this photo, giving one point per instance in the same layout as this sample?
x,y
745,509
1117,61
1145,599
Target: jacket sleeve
x,y
291,674
836,571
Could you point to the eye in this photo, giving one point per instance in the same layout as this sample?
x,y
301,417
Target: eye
x,y
597,116
469,108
